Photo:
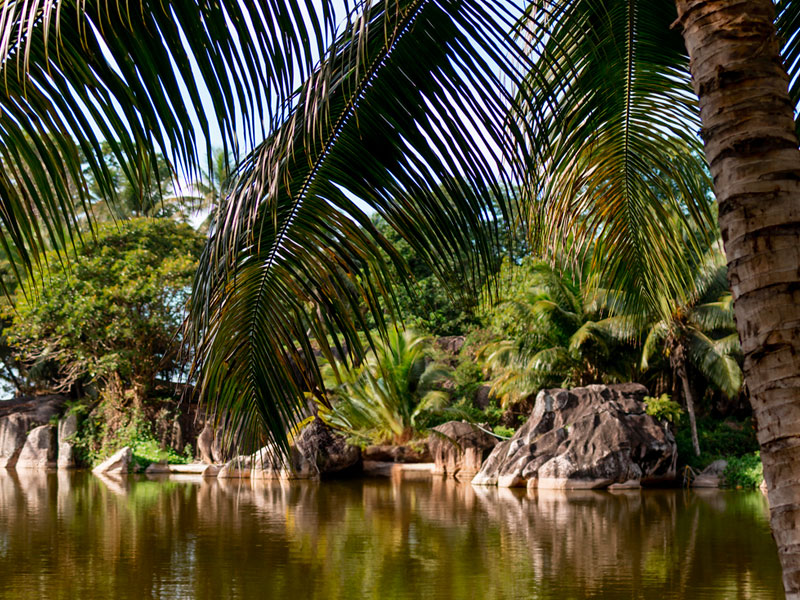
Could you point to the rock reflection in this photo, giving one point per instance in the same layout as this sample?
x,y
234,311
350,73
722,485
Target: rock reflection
x,y
75,535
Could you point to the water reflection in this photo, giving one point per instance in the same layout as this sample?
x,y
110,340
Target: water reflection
x,y
75,535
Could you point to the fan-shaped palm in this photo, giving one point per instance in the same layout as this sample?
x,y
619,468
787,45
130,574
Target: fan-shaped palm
x,y
383,399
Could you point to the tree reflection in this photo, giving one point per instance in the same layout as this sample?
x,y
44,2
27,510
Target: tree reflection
x,y
74,535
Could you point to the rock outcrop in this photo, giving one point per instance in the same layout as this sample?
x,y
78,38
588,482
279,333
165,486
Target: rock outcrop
x,y
318,452
589,437
205,443
67,429
459,449
118,463
18,417
711,476
39,451
236,468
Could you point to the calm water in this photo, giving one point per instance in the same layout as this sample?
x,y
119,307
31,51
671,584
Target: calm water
x,y
76,536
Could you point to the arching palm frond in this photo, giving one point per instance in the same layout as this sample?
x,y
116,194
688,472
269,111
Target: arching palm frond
x,y
134,75
713,316
373,125
623,174
654,342
713,359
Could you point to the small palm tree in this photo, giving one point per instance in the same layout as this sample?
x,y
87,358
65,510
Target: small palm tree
x,y
699,330
383,399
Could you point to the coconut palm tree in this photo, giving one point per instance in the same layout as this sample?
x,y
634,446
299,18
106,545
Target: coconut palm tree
x,y
700,331
291,233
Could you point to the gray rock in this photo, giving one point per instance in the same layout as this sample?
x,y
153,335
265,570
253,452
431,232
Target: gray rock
x,y
67,428
398,454
205,443
18,417
589,437
711,476
39,451
13,429
326,452
459,449
118,463
268,464
236,468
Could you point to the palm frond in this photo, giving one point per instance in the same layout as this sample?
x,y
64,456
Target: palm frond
x,y
134,75
616,124
715,363
373,125
713,316
788,24
653,343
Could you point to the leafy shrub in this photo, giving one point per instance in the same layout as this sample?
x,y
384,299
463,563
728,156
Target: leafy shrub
x,y
109,428
717,440
505,432
744,471
111,316
663,409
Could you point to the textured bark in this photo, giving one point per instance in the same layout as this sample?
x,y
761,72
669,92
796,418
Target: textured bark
x,y
752,150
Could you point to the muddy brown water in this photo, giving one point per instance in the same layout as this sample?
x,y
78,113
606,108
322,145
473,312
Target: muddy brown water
x,y
73,535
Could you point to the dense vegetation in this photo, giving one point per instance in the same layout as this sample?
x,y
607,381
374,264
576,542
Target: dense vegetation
x,y
104,329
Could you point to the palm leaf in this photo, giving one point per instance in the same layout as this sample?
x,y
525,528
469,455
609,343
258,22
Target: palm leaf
x,y
75,74
788,24
622,173
714,361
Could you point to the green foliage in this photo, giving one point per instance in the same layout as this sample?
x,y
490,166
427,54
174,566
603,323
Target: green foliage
x,y
388,397
718,439
108,429
745,471
502,431
111,316
663,409
556,329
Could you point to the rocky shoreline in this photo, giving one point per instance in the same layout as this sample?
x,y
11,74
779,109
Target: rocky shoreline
x,y
595,437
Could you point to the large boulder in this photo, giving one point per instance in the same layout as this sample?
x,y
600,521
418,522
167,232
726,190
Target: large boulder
x,y
326,451
118,463
590,437
39,451
318,452
236,468
18,417
67,429
205,443
459,449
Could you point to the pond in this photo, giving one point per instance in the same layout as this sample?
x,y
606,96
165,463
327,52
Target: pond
x,y
73,535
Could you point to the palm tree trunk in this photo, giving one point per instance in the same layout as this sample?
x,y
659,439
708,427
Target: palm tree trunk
x,y
752,149
678,361
689,397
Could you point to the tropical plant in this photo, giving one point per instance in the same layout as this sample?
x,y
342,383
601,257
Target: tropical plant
x,y
700,331
385,398
663,409
557,332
